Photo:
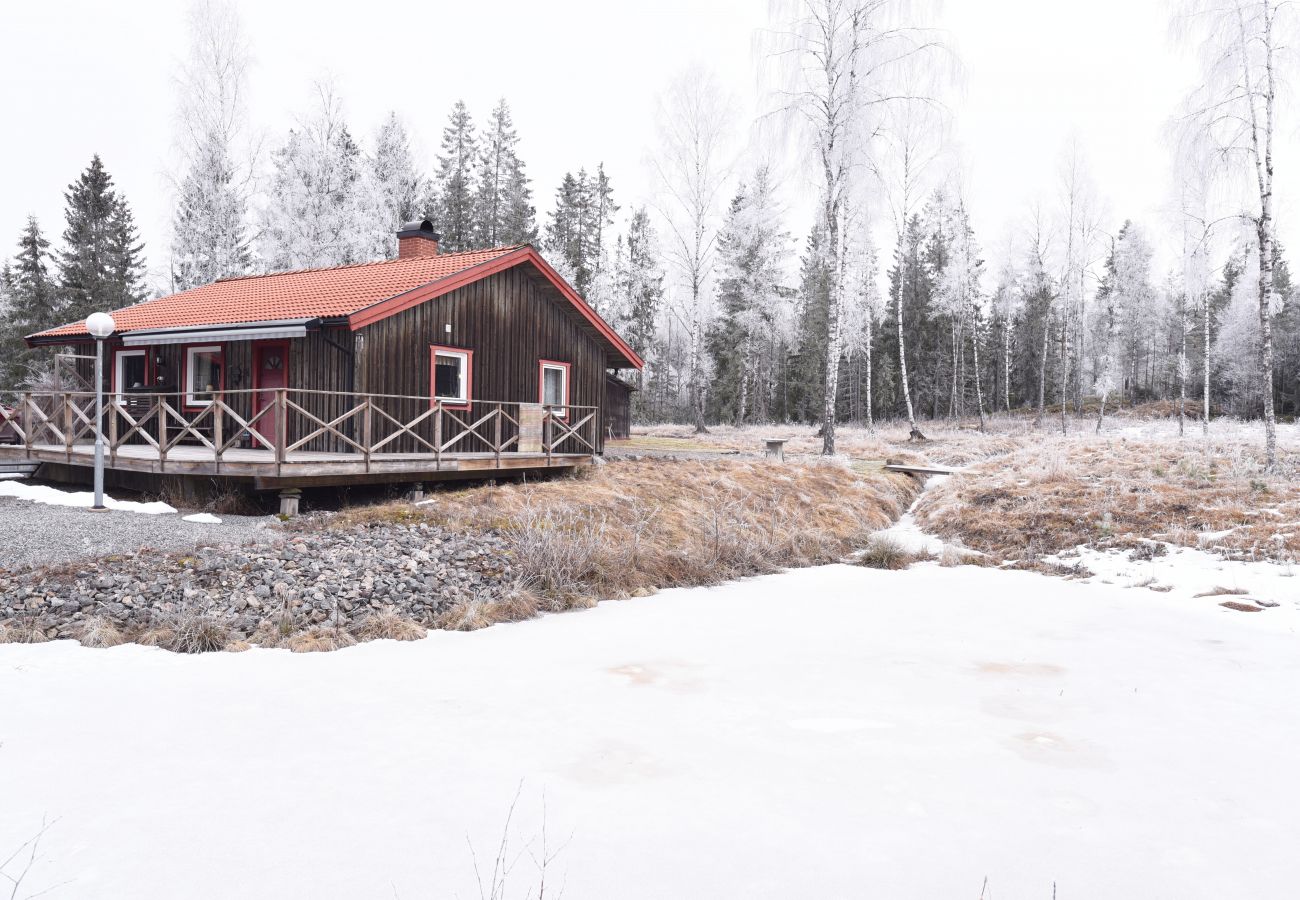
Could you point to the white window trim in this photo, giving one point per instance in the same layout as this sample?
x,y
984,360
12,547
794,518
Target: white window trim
x,y
190,352
562,412
119,375
464,377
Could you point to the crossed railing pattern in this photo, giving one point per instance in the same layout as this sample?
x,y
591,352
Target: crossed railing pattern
x,y
287,420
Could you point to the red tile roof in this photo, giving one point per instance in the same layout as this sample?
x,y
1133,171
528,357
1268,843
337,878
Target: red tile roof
x,y
309,293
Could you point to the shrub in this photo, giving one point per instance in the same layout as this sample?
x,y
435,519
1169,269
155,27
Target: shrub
x,y
885,552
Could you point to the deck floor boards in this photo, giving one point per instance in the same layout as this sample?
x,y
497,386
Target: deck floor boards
x,y
297,466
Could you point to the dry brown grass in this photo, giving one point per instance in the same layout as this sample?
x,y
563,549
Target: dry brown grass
x,y
950,444
884,552
318,639
100,632
389,624
18,631
633,527
1117,492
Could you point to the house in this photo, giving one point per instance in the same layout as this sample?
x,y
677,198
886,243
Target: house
x,y
403,369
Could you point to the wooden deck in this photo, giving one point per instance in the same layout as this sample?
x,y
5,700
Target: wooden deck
x,y
364,439
300,468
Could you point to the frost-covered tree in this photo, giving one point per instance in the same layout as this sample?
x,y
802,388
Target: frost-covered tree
x,y
693,122
842,63
315,212
746,340
209,226
1126,301
101,265
1240,108
393,189
640,295
455,180
503,203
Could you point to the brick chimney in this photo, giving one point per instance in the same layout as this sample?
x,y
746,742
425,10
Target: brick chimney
x,y
417,239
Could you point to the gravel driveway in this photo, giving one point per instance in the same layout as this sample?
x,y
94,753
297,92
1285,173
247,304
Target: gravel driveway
x,y
37,533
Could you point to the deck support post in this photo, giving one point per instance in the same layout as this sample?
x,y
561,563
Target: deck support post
x,y
367,429
112,431
281,428
417,492
67,425
496,440
27,422
437,436
160,404
218,436
289,498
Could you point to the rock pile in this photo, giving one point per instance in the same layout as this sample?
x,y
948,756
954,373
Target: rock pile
x,y
311,577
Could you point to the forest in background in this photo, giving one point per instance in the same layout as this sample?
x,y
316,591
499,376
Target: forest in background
x,y
745,311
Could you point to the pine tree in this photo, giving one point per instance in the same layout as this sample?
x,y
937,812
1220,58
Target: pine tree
x,y
31,303
503,200
455,180
102,264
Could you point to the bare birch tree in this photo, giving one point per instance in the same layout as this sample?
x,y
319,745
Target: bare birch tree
x,y
691,169
843,59
1241,43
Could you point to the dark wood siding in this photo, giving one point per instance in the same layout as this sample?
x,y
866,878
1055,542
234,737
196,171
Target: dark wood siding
x,y
511,323
618,408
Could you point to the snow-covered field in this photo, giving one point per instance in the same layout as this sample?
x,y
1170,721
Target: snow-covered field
x,y
830,732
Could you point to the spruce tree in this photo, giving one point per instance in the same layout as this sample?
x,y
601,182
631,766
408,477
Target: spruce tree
x,y
32,304
577,233
455,179
503,199
102,263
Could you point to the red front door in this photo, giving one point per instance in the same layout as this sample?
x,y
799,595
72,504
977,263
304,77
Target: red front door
x,y
270,372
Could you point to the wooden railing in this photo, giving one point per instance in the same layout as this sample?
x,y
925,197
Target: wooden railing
x,y
286,421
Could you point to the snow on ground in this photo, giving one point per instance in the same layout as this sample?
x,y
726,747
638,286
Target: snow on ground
x,y
203,519
908,534
1185,572
41,493
829,732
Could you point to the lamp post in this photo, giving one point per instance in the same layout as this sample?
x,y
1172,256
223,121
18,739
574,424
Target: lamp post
x,y
100,325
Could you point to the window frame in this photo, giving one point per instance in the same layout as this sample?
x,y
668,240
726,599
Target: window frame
x,y
115,386
564,368
187,369
457,403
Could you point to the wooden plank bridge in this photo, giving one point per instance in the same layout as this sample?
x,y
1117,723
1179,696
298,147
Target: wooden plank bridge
x,y
297,438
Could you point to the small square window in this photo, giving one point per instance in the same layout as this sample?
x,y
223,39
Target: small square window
x,y
451,375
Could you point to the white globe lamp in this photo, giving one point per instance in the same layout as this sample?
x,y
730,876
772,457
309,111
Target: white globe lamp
x,y
100,325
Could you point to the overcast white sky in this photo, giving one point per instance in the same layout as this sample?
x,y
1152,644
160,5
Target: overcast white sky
x,y
84,76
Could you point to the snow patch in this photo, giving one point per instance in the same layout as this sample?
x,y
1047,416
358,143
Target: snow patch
x,y
40,493
203,519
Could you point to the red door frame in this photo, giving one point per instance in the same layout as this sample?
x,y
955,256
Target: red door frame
x,y
266,426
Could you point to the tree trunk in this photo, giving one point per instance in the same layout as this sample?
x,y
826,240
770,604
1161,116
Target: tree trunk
x,y
871,419
979,391
1065,376
914,433
1006,367
1042,375
1101,413
1205,387
1182,367
952,393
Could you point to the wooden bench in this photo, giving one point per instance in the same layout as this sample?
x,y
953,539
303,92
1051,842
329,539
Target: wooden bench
x,y
774,448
